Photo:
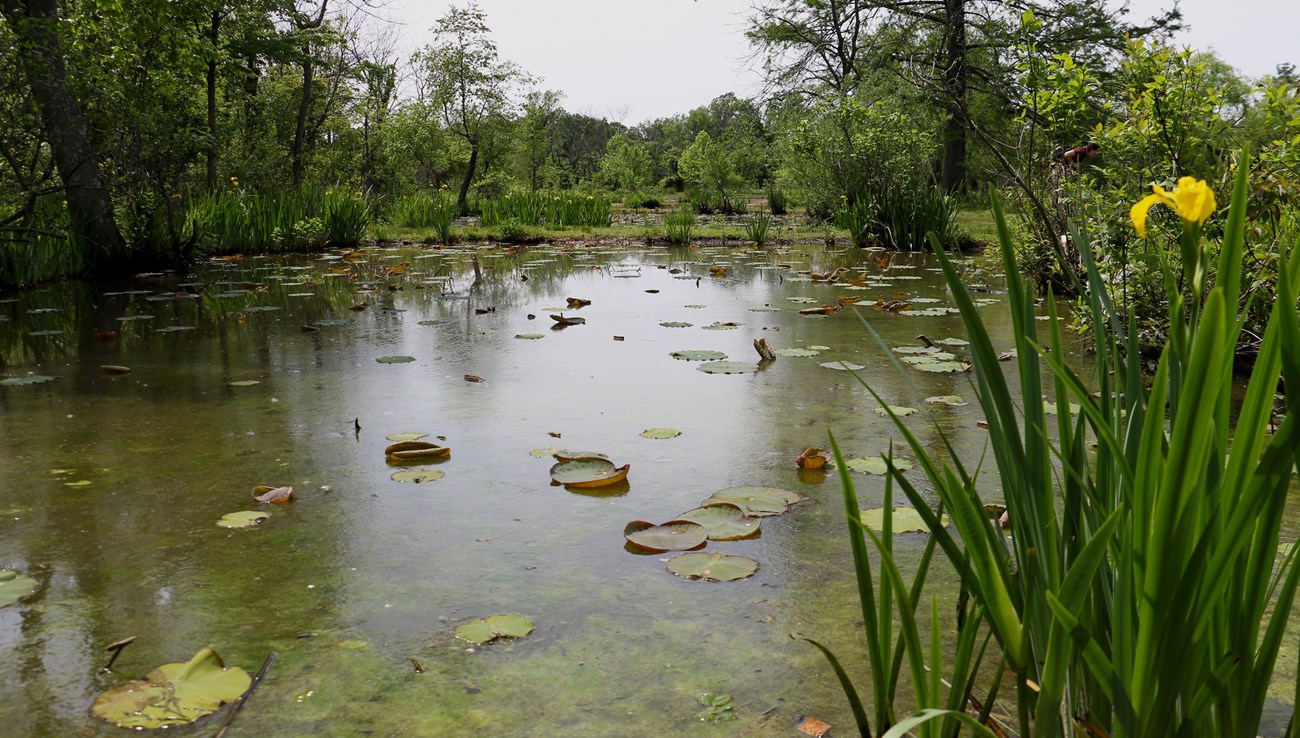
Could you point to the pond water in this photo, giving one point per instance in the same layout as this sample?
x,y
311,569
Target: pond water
x,y
258,372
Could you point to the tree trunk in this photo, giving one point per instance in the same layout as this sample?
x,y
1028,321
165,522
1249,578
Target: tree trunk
x,y
953,176
215,38
300,126
469,175
90,205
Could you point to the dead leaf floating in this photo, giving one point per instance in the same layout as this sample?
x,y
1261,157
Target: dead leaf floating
x,y
416,451
812,458
577,302
273,495
473,378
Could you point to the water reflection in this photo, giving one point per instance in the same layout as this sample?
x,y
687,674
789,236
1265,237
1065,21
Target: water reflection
x,y
254,371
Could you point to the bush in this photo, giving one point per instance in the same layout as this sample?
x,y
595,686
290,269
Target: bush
x,y
776,201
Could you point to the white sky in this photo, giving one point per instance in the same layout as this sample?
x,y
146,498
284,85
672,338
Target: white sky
x,y
634,60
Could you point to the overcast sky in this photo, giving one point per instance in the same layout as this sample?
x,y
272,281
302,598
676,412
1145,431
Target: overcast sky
x,y
634,60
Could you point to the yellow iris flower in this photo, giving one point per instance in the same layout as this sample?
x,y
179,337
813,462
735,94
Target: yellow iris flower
x,y
1191,198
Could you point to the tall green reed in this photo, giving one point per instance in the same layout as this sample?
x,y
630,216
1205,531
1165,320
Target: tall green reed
x,y
757,227
1144,592
679,225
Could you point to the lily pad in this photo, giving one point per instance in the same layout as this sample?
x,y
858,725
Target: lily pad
x,y
243,519
567,455
797,352
675,535
129,318
756,502
407,436
588,472
715,567
30,379
14,587
698,355
173,694
902,520
498,626
953,342
273,495
875,464
416,451
721,326
942,367
1051,409
562,320
723,522
175,329
418,475
541,453
676,324
953,400
727,367
395,359
529,336
660,433
899,410
847,366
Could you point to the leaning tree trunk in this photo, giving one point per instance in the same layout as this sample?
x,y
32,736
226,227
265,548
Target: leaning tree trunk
x,y
90,205
469,176
953,175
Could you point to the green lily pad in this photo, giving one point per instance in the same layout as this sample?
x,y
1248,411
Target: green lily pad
x,y
675,535
953,342
245,383
418,475
676,324
756,502
928,312
721,326
1051,409
129,318
510,625
899,410
714,567
175,329
953,400
30,379
915,350
541,453
723,522
395,359
727,367
797,352
243,519
903,520
14,587
660,433
847,366
407,436
875,464
941,367
173,694
698,355
588,472
928,358
529,336
567,455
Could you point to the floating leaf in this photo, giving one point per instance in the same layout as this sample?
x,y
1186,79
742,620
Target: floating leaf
x,y
714,567
407,436
588,472
698,355
676,324
129,318
245,383
721,326
898,410
497,626
847,366
274,495
395,359
675,535
876,464
529,336
953,342
723,522
903,520
727,367
797,352
539,453
561,320
416,451
173,694
567,455
14,587
660,433
812,458
176,329
953,400
29,379
941,367
244,519
418,475
755,502
1050,408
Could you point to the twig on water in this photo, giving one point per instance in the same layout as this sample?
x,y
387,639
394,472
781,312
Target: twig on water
x,y
239,704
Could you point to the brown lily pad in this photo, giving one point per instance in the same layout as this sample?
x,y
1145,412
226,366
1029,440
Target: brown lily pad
x,y
273,495
416,451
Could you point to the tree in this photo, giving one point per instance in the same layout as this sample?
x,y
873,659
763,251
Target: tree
x,y
467,81
626,164
35,25
707,166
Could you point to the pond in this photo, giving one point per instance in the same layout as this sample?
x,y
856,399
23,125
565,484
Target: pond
x,y
267,371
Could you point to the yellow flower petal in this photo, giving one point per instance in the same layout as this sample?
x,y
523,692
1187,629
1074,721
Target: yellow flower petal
x,y
1138,213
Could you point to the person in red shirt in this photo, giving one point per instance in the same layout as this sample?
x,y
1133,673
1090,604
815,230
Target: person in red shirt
x,y
1072,157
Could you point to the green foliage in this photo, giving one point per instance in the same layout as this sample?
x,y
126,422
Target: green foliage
x,y
1144,587
554,209
626,164
244,221
679,225
756,228
346,218
707,167
776,201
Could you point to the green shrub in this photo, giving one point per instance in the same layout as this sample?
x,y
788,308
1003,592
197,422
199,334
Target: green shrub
x,y
679,225
776,201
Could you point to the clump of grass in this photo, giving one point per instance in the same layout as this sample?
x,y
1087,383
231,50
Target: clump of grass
x,y
555,209
679,225
421,210
757,227
776,201
346,218
246,221
859,219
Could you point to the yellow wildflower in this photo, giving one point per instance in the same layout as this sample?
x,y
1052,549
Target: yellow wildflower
x,y
1191,198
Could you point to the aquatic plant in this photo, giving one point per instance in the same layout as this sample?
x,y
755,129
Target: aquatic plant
x,y
679,225
1147,588
776,201
756,228
346,218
